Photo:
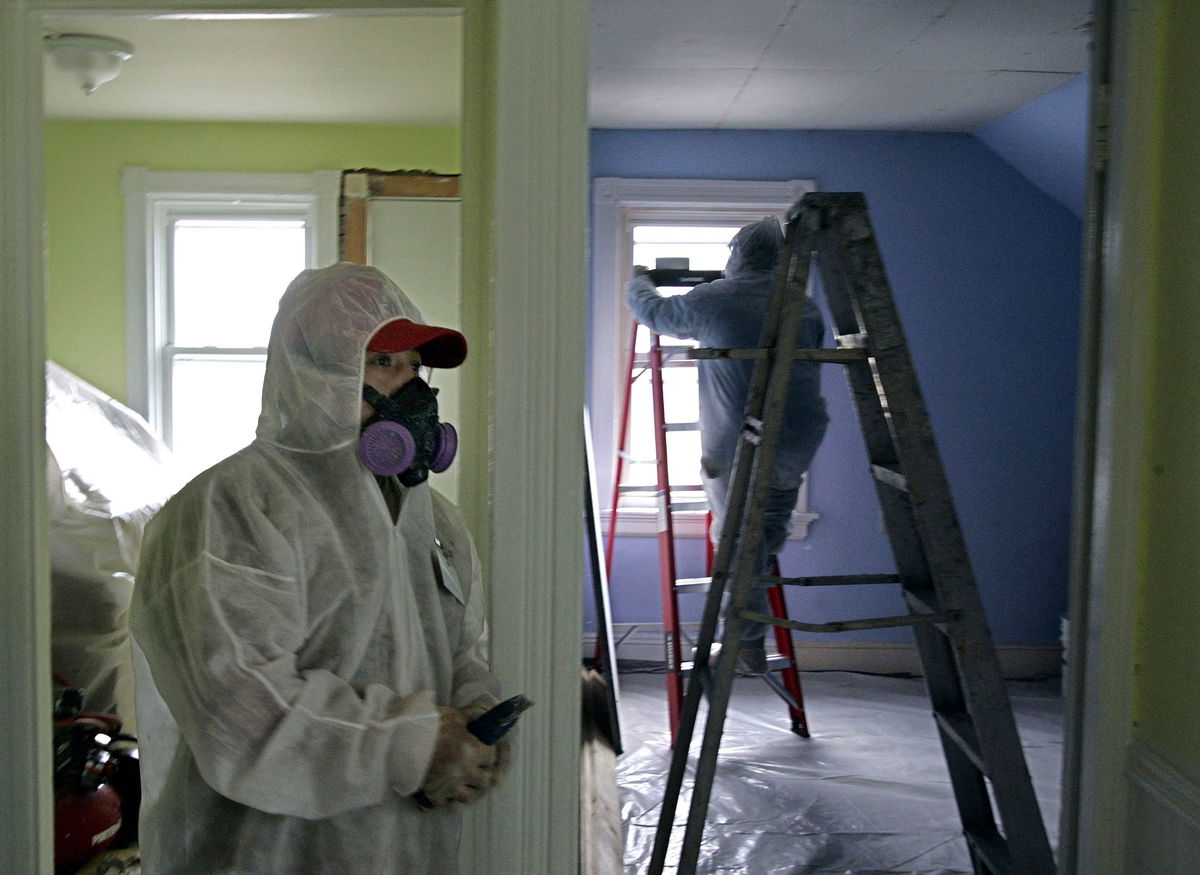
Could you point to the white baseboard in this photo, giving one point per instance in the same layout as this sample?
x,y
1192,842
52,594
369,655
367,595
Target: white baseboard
x,y
644,643
1164,814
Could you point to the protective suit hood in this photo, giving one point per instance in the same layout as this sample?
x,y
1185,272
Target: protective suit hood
x,y
313,383
755,247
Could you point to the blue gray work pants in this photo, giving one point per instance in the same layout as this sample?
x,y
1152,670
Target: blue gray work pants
x,y
777,524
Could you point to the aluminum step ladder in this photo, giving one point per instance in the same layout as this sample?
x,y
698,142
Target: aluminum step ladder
x,y
782,676
1001,822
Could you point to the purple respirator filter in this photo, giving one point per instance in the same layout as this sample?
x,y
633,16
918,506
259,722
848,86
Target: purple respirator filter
x,y
388,448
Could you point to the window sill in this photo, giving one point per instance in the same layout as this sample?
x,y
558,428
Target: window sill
x,y
643,523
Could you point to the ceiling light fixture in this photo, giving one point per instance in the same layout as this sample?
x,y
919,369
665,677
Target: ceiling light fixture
x,y
92,60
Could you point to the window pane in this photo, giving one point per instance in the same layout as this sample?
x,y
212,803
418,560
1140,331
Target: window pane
x,y
707,248
227,277
683,447
214,409
684,233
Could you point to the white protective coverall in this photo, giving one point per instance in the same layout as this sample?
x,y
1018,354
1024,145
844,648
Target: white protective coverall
x,y
728,314
291,642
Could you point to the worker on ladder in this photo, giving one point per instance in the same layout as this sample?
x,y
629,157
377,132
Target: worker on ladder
x,y
728,313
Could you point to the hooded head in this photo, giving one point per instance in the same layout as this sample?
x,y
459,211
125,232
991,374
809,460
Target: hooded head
x,y
312,391
755,247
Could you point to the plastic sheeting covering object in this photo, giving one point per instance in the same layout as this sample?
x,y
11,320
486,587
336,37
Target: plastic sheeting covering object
x,y
106,475
867,793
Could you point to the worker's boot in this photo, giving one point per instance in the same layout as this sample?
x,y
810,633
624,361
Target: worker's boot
x,y
752,659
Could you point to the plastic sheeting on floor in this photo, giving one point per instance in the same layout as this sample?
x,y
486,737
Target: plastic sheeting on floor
x,y
866,793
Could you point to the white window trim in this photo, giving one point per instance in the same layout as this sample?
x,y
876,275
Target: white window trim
x,y
149,196
614,202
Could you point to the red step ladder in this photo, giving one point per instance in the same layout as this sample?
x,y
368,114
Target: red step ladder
x,y
787,685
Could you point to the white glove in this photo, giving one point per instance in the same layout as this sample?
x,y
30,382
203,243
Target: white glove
x,y
504,748
462,766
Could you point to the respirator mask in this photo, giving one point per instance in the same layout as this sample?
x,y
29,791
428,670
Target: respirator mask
x,y
403,436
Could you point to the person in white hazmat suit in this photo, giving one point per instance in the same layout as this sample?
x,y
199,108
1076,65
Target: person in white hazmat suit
x,y
309,635
728,313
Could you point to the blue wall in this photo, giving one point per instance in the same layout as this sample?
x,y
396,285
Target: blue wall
x,y
985,270
1046,141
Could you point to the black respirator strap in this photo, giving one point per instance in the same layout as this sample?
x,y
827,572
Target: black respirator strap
x,y
377,399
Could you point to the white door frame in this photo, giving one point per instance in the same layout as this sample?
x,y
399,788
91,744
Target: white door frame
x,y
525,158
1110,445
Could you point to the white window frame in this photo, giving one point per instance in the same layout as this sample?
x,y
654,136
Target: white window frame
x,y
618,203
152,200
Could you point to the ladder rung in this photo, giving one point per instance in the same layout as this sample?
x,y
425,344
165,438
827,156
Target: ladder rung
x,y
688,505
851,625
644,489
835,580
822,354
890,476
775,662
678,363
959,729
681,426
644,363
693,584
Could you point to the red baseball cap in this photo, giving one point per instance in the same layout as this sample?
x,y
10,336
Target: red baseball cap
x,y
439,347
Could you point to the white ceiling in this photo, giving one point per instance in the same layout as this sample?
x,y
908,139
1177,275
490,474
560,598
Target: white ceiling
x,y
395,69
942,65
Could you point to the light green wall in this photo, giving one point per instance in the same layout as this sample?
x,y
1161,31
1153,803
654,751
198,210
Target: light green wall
x,y
85,270
1168,633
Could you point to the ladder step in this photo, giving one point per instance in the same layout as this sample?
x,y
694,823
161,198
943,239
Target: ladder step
x,y
838,580
775,662
693,584
958,728
652,491
890,476
689,505
822,354
851,625
682,426
643,362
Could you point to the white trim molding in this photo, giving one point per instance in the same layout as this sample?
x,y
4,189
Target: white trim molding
x,y
150,198
643,522
27,823
644,642
524,290
1095,829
